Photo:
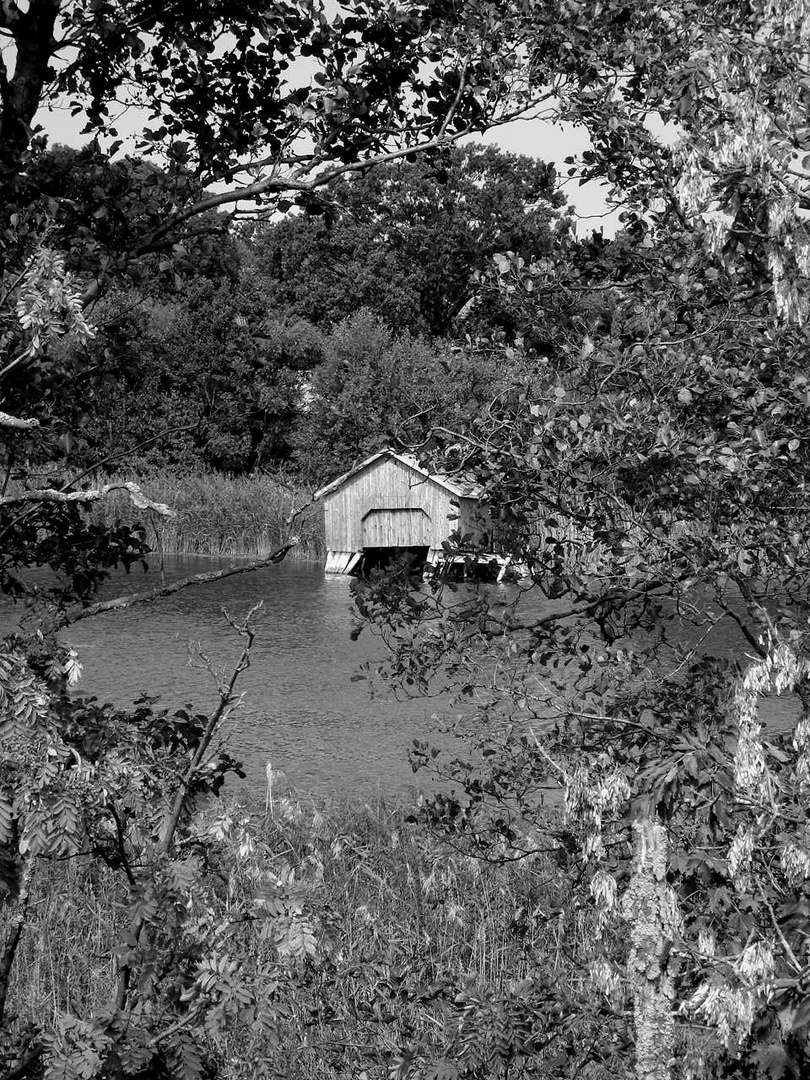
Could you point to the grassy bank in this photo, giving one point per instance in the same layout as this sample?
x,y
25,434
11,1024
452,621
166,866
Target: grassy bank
x,y
221,515
420,954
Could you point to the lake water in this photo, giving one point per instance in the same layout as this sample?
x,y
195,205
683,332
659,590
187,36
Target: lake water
x,y
302,710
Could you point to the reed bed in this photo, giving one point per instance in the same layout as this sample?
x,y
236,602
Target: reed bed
x,y
220,515
405,925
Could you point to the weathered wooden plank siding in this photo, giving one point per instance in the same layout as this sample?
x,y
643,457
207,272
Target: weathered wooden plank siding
x,y
356,517
399,527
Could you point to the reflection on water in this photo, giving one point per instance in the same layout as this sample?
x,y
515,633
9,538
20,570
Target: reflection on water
x,y
302,711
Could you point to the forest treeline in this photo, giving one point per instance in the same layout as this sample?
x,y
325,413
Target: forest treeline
x,y
303,341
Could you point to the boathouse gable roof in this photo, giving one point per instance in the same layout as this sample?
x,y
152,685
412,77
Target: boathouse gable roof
x,y
460,488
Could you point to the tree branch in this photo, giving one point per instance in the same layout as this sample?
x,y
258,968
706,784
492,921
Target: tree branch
x,y
120,603
33,38
110,458
226,698
277,185
618,596
15,422
26,355
451,112
43,495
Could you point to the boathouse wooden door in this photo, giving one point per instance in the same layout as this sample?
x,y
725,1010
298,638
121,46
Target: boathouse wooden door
x,y
404,526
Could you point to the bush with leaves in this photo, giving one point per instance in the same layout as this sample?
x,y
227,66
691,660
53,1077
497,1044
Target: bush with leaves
x,y
661,522
111,789
123,791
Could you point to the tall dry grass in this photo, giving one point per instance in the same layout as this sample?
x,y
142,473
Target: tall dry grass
x,y
404,923
221,515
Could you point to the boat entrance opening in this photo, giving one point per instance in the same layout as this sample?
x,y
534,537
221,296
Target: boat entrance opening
x,y
411,559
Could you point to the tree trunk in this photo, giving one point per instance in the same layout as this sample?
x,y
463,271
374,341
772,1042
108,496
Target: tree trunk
x,y
651,908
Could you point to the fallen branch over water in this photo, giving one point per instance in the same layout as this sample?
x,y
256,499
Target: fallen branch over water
x,y
120,603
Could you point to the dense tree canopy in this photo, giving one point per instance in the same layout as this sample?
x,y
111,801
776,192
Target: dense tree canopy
x,y
205,378
374,389
203,357
406,240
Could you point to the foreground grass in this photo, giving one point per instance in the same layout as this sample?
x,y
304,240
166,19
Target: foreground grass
x,y
220,515
424,959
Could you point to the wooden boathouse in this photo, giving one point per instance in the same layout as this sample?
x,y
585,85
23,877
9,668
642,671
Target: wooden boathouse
x,y
390,503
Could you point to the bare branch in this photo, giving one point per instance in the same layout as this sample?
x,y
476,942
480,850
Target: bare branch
x,y
220,711
15,422
120,603
26,355
297,511
43,495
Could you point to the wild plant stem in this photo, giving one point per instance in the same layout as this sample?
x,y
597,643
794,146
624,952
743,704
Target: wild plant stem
x,y
225,701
